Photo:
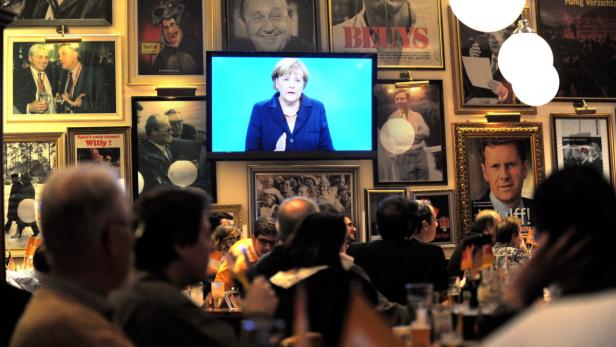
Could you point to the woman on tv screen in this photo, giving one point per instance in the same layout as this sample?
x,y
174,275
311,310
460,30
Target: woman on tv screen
x,y
289,121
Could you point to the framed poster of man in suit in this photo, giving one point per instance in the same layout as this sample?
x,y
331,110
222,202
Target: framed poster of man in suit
x,y
61,12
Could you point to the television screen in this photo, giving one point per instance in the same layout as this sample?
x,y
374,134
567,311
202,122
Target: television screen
x,y
290,105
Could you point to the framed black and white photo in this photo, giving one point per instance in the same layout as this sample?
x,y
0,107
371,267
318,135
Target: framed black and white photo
x,y
168,144
63,81
28,160
583,140
61,12
411,134
270,25
374,197
443,203
336,185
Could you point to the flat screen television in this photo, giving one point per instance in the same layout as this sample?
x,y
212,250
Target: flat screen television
x,y
252,115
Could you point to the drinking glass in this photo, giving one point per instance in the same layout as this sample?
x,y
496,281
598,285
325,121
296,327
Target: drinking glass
x,y
419,295
218,293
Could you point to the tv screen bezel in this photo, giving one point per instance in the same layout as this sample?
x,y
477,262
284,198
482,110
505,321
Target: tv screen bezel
x,y
299,155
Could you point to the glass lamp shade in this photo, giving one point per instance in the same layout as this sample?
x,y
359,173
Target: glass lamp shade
x,y
487,15
25,211
538,89
140,182
182,173
522,51
397,136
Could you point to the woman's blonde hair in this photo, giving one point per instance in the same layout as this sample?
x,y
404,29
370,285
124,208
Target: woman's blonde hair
x,y
287,66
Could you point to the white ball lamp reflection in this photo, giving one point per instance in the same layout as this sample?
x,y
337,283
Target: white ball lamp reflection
x,y
26,211
182,173
539,89
397,136
487,15
140,182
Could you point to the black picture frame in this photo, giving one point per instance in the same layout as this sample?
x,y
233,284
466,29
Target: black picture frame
x,y
443,202
70,13
303,24
427,101
373,197
189,147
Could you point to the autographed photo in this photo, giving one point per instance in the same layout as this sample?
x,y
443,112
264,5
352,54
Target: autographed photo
x,y
403,33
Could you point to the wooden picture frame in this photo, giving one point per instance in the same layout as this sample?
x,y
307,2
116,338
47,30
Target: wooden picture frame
x,y
94,93
38,155
472,53
185,148
373,197
522,173
443,202
418,46
69,12
108,145
583,140
233,209
168,41
420,162
294,31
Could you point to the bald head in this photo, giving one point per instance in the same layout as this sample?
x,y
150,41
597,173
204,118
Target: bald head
x,y
292,212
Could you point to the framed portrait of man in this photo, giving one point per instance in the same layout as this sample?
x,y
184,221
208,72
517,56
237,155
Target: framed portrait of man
x,y
410,134
443,203
583,140
166,39
404,34
581,38
61,12
270,25
62,81
479,86
374,197
168,144
498,166
28,160
336,185
105,146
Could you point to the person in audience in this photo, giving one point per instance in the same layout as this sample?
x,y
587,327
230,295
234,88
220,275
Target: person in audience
x,y
248,251
85,218
172,251
509,249
13,302
223,237
485,224
574,211
398,259
315,248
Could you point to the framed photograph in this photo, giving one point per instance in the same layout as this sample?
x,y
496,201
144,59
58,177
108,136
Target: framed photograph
x,y
66,12
233,210
168,136
479,86
62,81
337,185
498,166
109,146
581,38
28,160
583,140
407,34
373,200
444,206
411,134
166,41
291,27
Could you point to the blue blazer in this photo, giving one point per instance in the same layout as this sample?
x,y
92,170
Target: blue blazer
x,y
267,124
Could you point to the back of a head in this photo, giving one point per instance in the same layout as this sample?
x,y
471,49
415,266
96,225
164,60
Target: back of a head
x,y
506,229
394,218
167,216
292,211
265,226
484,220
76,205
317,240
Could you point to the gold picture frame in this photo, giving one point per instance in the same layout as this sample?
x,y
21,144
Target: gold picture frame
x,y
233,209
474,191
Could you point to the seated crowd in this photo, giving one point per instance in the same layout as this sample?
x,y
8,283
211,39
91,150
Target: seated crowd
x,y
115,275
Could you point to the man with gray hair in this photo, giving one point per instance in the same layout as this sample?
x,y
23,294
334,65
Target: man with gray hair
x,y
154,152
32,92
86,224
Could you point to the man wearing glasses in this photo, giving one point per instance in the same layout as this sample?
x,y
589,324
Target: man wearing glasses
x,y
154,154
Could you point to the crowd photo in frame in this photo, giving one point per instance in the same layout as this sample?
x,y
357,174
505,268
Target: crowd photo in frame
x,y
63,81
28,161
405,34
61,12
479,86
168,144
336,185
270,25
374,197
582,40
583,140
105,146
410,134
498,166
443,203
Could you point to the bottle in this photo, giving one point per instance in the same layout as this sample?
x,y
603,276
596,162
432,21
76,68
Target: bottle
x,y
469,290
420,329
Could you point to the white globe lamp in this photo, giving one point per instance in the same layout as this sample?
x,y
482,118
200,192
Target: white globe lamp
x,y
140,182
539,89
182,173
25,211
487,15
521,52
397,136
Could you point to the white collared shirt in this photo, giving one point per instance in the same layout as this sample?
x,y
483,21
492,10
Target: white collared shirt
x,y
35,75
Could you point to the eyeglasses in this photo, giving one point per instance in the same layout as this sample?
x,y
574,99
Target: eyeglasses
x,y
265,241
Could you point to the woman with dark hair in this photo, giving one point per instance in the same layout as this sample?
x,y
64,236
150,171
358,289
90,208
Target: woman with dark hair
x,y
314,251
509,250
